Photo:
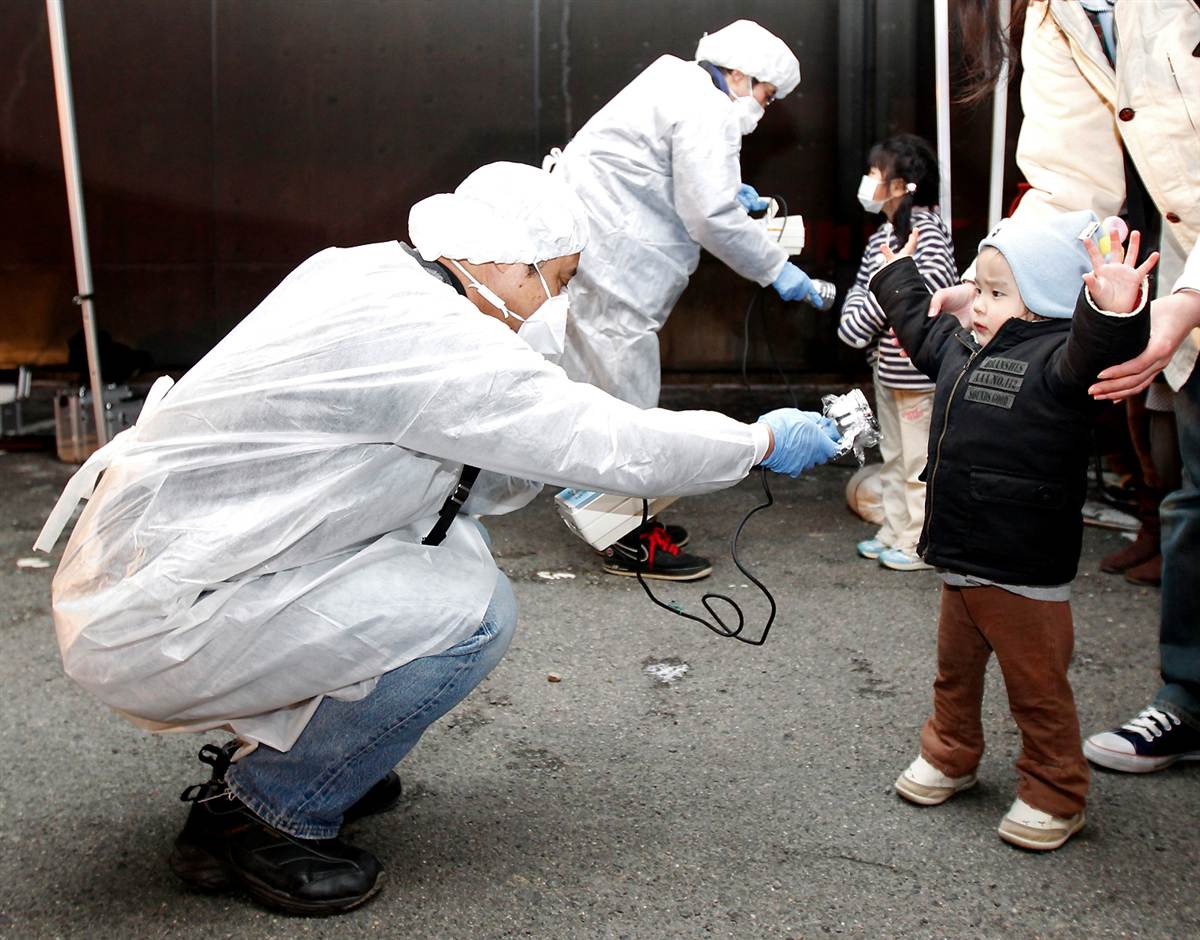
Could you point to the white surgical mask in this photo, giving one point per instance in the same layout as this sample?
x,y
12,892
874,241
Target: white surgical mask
x,y
749,112
866,194
545,329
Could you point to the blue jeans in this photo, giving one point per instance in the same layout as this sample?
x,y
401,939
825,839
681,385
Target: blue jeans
x,y
348,747
1179,633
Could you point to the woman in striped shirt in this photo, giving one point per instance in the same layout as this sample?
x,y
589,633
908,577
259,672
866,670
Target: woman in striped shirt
x,y
902,183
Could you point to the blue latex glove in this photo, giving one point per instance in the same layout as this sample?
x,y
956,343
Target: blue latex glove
x,y
803,439
794,284
751,201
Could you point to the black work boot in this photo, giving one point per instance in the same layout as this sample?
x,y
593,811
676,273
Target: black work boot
x,y
224,844
379,799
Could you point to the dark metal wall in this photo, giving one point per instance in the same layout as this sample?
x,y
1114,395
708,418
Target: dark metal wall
x,y
223,141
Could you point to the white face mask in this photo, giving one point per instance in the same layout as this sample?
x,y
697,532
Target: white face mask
x,y
866,194
545,329
749,112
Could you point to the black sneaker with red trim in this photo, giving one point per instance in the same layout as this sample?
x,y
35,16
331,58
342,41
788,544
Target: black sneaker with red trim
x,y
650,550
678,534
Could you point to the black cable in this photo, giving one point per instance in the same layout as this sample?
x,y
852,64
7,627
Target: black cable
x,y
762,313
754,298
721,628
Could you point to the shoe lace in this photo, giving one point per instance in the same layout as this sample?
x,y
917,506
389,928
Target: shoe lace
x,y
658,539
1151,723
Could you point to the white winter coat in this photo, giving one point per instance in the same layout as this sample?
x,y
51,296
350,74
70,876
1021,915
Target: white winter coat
x,y
254,543
1079,111
658,169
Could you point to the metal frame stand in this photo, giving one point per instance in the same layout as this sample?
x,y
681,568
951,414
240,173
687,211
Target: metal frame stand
x,y
70,148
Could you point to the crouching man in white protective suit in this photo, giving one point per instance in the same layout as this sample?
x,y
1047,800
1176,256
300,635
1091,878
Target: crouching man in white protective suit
x,y
276,548
658,170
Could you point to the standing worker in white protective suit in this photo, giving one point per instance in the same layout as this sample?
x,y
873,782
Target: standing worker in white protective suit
x,y
282,548
658,170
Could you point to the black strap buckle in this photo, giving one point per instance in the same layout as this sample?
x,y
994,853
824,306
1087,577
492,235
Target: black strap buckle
x,y
459,497
452,506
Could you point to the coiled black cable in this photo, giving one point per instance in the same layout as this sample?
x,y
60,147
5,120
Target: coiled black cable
x,y
721,628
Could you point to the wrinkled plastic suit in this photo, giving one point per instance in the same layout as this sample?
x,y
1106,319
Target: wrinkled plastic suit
x,y
658,170
254,543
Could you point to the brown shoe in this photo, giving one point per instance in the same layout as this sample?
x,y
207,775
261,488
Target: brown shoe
x,y
1147,574
1141,550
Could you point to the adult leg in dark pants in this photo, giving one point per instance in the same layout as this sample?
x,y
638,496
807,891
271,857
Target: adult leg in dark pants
x,y
1169,729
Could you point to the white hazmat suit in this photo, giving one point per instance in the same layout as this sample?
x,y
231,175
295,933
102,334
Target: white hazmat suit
x,y
658,170
254,543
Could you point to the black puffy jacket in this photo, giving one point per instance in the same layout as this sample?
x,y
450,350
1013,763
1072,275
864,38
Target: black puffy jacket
x,y
1011,430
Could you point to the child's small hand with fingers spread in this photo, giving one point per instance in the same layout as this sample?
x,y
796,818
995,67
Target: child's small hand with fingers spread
x,y
1115,285
907,250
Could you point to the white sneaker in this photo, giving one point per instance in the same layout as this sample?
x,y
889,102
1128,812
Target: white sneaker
x,y
1032,829
899,560
1155,739
924,784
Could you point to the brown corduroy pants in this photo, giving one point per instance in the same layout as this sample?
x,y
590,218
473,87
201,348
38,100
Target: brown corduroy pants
x,y
1032,641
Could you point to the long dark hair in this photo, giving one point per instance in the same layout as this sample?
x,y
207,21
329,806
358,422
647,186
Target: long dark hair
x,y
912,159
984,45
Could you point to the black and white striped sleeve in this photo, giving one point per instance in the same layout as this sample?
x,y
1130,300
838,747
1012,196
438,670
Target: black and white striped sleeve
x,y
862,319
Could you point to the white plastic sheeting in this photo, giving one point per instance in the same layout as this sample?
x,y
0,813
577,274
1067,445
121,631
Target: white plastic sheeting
x,y
254,543
658,169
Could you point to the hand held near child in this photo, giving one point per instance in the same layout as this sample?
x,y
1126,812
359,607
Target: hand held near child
x,y
801,440
955,300
1116,285
907,250
794,284
1171,320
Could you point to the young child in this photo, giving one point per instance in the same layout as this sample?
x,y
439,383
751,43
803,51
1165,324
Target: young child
x,y
901,182
1007,475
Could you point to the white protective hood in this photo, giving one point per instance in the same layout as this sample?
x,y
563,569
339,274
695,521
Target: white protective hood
x,y
254,543
501,213
754,51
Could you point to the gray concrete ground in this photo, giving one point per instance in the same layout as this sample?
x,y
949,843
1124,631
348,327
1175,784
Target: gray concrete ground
x,y
750,798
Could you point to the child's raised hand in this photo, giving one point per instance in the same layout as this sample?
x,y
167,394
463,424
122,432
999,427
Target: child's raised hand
x,y
1115,285
907,250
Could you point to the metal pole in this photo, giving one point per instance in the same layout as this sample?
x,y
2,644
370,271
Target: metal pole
x,y
83,264
999,126
941,39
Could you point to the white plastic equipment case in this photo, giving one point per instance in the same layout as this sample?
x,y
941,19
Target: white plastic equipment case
x,y
602,518
786,230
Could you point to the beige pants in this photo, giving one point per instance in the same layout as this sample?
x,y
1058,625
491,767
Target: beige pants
x,y
904,442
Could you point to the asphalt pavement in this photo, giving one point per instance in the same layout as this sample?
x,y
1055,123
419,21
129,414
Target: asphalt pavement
x,y
671,784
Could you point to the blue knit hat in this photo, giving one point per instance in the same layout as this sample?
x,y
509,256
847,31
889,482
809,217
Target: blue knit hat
x,y
1048,259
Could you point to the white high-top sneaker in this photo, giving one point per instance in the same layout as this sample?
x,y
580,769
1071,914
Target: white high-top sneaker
x,y
924,784
1032,829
